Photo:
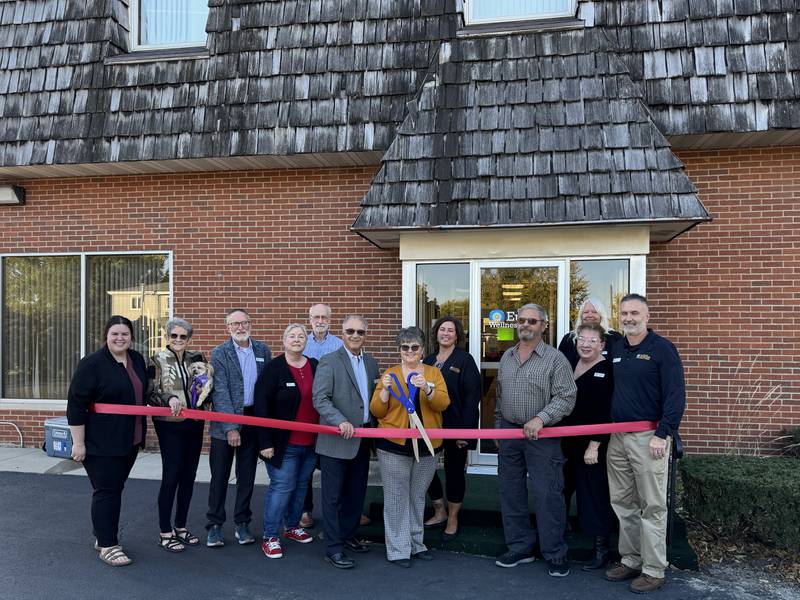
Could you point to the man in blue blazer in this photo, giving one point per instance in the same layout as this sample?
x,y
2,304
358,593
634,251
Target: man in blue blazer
x,y
343,386
237,364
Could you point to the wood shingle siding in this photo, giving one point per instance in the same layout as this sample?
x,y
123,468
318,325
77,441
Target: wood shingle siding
x,y
551,130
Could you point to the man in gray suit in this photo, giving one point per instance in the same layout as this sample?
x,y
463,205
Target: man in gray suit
x,y
343,386
237,364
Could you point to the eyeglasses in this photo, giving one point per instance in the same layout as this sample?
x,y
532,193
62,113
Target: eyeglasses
x,y
237,324
178,336
585,340
409,347
359,332
320,318
524,321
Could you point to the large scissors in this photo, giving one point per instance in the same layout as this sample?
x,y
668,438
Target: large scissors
x,y
413,419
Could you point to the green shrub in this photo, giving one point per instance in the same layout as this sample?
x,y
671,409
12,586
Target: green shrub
x,y
791,442
745,495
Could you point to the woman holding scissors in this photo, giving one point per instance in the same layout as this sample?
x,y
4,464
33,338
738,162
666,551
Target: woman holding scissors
x,y
409,395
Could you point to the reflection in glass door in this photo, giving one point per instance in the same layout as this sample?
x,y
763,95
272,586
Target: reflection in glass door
x,y
503,289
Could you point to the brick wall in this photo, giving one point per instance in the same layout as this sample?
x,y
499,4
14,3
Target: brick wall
x,y
276,241
271,241
726,293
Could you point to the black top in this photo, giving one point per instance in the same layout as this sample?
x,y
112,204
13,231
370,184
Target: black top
x,y
464,388
277,396
100,379
592,403
649,383
568,349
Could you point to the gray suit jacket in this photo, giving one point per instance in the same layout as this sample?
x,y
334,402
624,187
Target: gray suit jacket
x,y
228,394
337,399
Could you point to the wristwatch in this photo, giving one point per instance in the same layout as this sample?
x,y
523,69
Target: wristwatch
x,y
430,389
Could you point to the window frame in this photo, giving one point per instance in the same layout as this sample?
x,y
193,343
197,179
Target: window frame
x,y
469,20
135,46
55,402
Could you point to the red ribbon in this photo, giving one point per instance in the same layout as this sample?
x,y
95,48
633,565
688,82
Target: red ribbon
x,y
382,432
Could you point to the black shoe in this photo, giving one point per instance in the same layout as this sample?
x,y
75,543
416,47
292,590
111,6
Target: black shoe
x,y
449,537
340,560
602,554
558,568
423,555
404,563
512,559
355,545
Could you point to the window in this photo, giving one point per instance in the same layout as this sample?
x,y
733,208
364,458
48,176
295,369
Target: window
x,y
442,289
606,280
43,316
168,23
493,11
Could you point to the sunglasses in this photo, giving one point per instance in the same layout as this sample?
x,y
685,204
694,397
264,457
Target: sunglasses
x,y
178,336
524,321
409,347
360,332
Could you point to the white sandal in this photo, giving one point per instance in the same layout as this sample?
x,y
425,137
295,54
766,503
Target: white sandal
x,y
114,556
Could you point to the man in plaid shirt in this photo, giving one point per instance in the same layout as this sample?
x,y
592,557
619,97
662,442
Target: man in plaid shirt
x,y
535,388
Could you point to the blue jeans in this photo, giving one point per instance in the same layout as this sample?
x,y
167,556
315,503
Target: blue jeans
x,y
283,501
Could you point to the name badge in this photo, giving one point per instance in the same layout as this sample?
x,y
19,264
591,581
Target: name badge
x,y
259,359
291,384
616,360
599,374
455,369
643,356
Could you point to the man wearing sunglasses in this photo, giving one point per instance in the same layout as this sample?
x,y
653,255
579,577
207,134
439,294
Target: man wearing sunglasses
x,y
535,388
343,386
237,364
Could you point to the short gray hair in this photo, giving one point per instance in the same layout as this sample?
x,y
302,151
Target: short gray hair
x,y
292,327
327,308
178,322
410,334
354,316
531,306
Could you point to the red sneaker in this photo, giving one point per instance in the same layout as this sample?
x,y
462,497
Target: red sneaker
x,y
298,534
272,547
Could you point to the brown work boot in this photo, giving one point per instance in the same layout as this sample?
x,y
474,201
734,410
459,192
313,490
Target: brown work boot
x,y
622,572
646,583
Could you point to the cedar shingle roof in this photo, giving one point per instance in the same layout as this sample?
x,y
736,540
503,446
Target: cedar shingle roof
x,y
528,129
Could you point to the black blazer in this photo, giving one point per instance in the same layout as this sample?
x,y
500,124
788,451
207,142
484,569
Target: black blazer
x,y
99,378
274,399
592,404
464,388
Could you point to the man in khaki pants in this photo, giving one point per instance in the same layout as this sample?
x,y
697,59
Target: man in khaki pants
x,y
648,386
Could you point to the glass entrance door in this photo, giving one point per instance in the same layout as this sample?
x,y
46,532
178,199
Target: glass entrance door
x,y
501,289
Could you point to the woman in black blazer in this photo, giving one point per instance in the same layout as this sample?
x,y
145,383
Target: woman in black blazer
x,y
108,444
464,388
283,391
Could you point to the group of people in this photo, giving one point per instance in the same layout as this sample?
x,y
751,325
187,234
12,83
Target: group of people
x,y
596,375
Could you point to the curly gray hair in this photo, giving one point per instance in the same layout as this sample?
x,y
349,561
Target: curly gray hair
x,y
178,322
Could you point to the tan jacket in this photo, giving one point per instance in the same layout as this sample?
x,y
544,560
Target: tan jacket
x,y
394,414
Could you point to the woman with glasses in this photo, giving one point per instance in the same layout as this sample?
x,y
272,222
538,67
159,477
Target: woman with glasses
x,y
464,389
591,310
408,387
585,467
180,439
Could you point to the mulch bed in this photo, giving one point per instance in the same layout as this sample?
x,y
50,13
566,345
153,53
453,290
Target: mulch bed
x,y
714,549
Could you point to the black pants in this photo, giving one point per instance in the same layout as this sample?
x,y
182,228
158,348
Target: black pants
x,y
455,461
590,484
344,486
221,459
108,475
180,444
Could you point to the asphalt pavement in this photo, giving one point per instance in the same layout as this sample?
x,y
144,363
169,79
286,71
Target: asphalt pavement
x,y
47,553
